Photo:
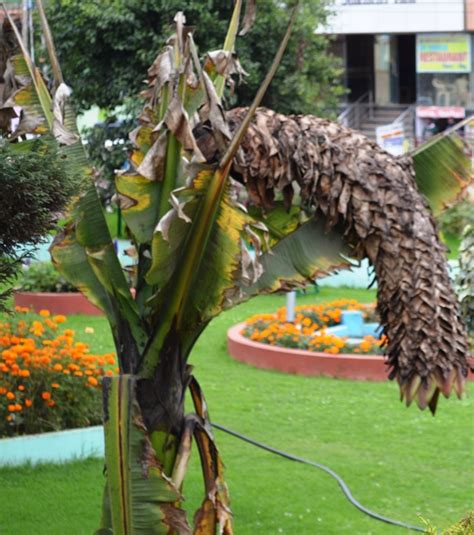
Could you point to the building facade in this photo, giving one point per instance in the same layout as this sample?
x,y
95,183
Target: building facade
x,y
408,52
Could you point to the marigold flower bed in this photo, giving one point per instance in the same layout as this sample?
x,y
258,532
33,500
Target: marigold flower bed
x,y
48,380
308,331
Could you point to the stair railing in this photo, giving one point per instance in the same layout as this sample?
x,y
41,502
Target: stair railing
x,y
355,113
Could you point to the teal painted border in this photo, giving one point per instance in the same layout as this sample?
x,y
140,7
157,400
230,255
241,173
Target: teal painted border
x,y
52,447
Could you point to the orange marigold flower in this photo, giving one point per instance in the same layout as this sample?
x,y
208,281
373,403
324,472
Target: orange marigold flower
x,y
18,407
92,381
46,395
10,395
21,388
109,373
78,374
45,313
9,418
55,385
24,373
3,391
51,403
57,367
11,408
59,318
28,402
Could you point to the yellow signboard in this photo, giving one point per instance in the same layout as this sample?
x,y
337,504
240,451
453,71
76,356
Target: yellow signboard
x,y
443,52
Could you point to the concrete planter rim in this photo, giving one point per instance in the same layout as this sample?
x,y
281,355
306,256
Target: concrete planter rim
x,y
308,363
46,294
52,434
234,334
52,446
56,302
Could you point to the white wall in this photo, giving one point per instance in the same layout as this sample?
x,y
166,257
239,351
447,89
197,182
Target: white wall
x,y
395,16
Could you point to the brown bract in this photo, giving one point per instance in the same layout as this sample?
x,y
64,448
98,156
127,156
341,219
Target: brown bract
x,y
372,198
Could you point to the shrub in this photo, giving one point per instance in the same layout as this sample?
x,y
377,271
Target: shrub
x,y
329,314
455,219
308,331
463,527
465,279
35,190
43,277
48,381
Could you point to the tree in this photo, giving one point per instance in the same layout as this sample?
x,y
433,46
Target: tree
x,y
192,238
106,46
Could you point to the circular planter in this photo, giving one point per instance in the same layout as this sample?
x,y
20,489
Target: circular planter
x,y
309,363
57,303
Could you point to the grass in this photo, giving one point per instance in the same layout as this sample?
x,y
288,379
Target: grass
x,y
399,462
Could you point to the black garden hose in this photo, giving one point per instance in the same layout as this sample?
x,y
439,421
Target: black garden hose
x,y
338,478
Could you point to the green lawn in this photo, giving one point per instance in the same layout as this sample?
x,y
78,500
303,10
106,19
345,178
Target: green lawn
x,y
399,462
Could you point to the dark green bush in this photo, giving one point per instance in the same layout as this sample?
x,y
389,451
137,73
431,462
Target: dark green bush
x,y
35,189
456,218
43,277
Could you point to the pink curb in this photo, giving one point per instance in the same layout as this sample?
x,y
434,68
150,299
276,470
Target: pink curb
x,y
66,303
308,363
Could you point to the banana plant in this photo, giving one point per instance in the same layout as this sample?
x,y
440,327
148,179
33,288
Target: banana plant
x,y
222,206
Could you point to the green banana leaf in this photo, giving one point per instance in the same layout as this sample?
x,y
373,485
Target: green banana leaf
x,y
195,259
443,169
99,275
299,258
71,258
138,199
142,500
279,221
105,527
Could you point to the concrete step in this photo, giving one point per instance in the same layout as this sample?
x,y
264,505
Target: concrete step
x,y
376,122
384,117
386,113
392,107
